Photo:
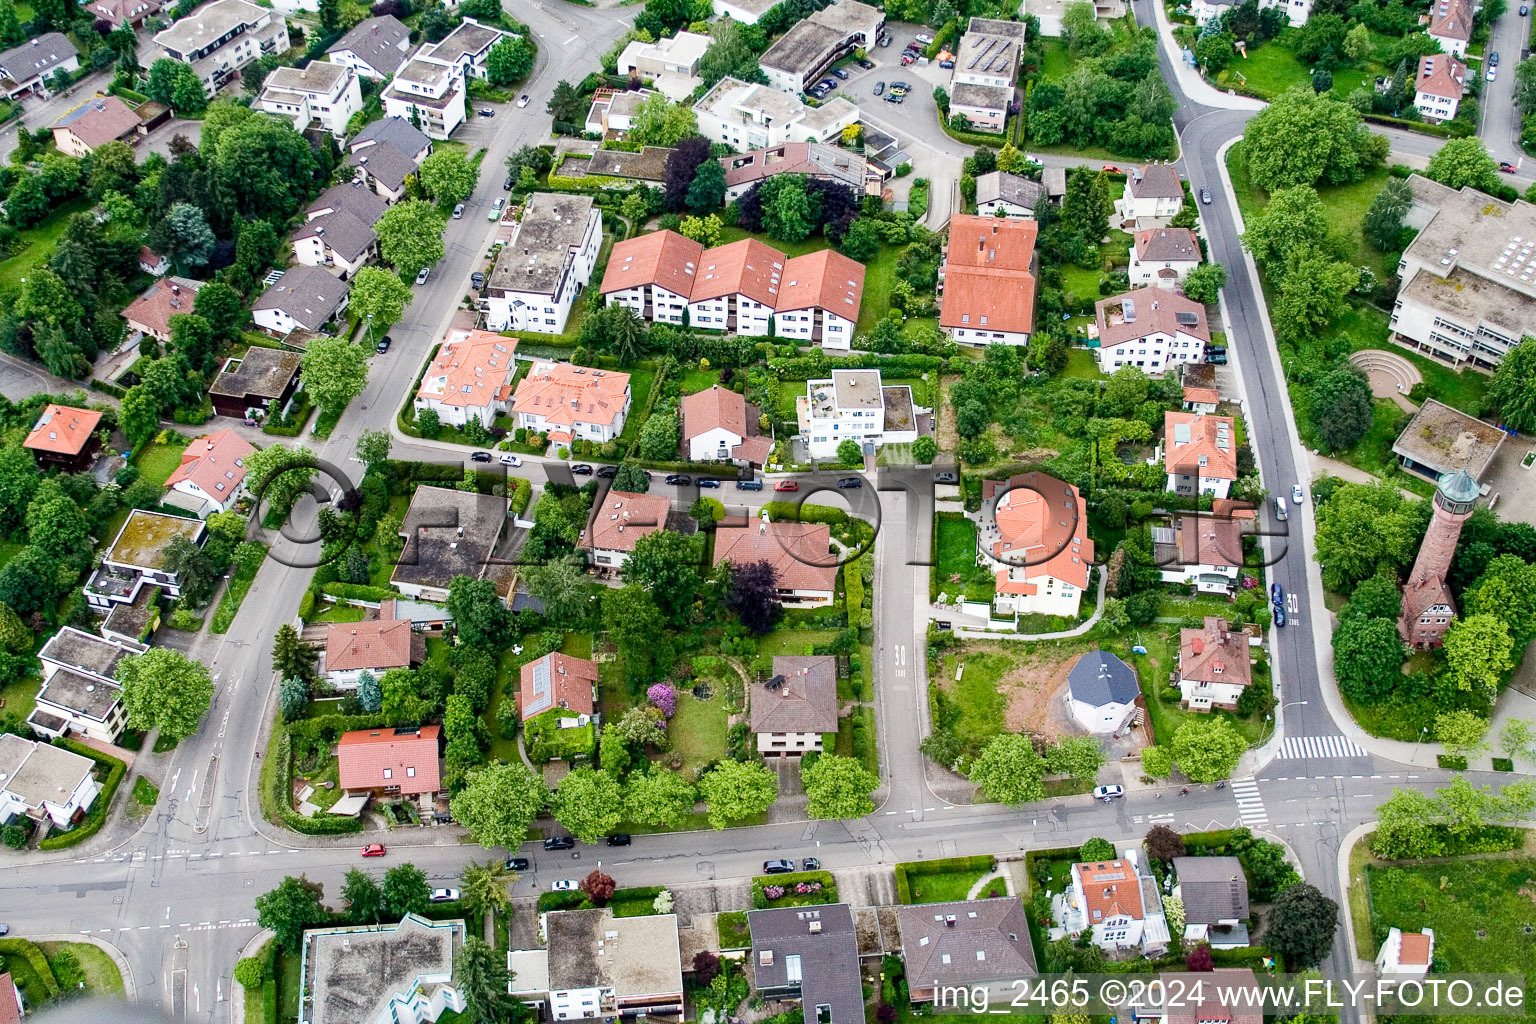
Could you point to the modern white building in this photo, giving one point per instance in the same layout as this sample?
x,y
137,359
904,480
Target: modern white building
x,y
600,966
546,264
80,693
671,63
471,379
981,84
428,95
380,974
321,96
1101,693
220,38
1039,551
1200,453
570,402
338,229
802,55
1438,87
1151,329
373,48
1163,257
745,116
137,558
48,784
1153,195
1117,903
853,405
211,477
1214,667
988,281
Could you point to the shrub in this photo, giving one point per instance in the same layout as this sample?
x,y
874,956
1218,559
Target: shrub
x,y
250,972
1097,849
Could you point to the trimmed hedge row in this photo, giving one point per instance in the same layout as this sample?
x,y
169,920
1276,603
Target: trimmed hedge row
x,y
826,894
816,364
322,825
357,592
564,901
97,815
943,866
28,951
1444,131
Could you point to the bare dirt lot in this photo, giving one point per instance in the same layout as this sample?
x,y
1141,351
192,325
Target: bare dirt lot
x,y
1034,689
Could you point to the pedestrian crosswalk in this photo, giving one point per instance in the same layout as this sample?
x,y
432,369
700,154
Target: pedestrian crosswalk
x,y
1319,748
1250,805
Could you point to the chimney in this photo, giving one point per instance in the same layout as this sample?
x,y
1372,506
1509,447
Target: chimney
x,y
949,921
815,927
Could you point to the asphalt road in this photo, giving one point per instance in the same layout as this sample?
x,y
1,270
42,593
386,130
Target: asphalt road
x,y
1501,119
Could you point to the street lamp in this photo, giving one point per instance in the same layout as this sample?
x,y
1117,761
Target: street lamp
x,y
1422,733
1271,717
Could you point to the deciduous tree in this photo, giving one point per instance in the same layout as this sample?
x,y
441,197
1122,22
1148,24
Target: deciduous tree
x,y
737,790
1303,138
1302,926
1009,770
360,891
1478,652
509,61
1513,388
670,566
164,689
657,797
498,803
1204,283
291,908
754,597
589,803
1207,749
1463,733
411,235
1460,163
1384,217
838,787
448,177
379,297
1367,657
1364,527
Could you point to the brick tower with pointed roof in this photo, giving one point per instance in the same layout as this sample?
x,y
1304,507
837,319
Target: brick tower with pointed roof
x,y
1427,605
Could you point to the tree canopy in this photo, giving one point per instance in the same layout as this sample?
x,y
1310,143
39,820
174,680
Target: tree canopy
x,y
164,689
1303,138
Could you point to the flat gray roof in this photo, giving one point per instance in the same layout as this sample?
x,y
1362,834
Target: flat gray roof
x,y
730,93
87,652
987,97
1446,440
318,77
552,225
83,695
857,389
1470,230
469,38
45,772
208,23
635,956
802,47
261,371
1471,297
351,975
650,164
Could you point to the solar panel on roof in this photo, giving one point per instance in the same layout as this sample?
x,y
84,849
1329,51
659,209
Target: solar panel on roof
x,y
1188,319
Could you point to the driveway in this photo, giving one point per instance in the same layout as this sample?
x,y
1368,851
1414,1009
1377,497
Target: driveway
x,y
1513,487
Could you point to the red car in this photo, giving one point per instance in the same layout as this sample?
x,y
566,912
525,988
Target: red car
x,y
787,485
1111,169
373,850
1506,167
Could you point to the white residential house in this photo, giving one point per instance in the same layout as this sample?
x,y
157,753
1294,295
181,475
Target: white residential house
x,y
744,11
1214,666
981,84
80,693
220,38
321,95
385,153
373,48
1200,453
380,974
1039,551
671,64
1409,953
736,288
1101,693
1450,25
820,299
618,522
988,281
798,59
374,646
854,406
1151,329
26,68
1153,194
304,298
746,116
466,47
546,264
1011,195
568,402
48,784
1438,87
338,229
471,379
1202,551
719,426
211,477
428,95
796,707
1163,257
1117,903
653,275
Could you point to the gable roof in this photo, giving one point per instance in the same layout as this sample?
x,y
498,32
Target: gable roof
x,y
342,231
1167,245
1100,679
1441,75
823,280
377,41
791,548
1041,531
396,131
363,203
1200,444
162,300
373,645
1009,188
713,407
1219,1002
1201,396
821,946
557,680
1214,889
966,942
119,11
1451,19
10,1010
565,395
214,463
621,519
379,758
308,295
987,282
805,699
746,267
62,430
663,258
385,162
1110,889
1210,540
1214,654
1154,181
1139,313
99,120
37,57
471,370
810,158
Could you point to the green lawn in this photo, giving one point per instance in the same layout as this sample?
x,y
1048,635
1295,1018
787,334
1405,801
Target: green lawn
x,y
943,886
732,927
697,731
976,693
1481,912
814,243
640,381
1081,362
1056,61
229,605
145,792
36,244
340,613
696,380
18,696
102,978
879,279
1272,68
1152,670
957,557
157,461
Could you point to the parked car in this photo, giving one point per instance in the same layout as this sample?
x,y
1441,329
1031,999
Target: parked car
x,y
810,864
850,483
522,101
559,842
511,460
1493,58
1493,73
1279,615
908,57
608,472
893,97
947,64
708,483
903,87
943,476
679,479
1205,196
1507,167
749,485
480,456
5,929
842,74
567,885
828,83
373,850
581,469
496,205
1112,169
1276,594
1298,495
458,211
879,88
1108,793
787,485
506,184
778,867
1280,510
477,280
426,272
444,895
486,112
883,41
865,65
1524,10
516,864
1216,354
619,839
924,39
383,345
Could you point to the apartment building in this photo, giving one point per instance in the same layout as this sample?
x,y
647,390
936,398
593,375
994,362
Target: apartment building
x,y
853,405
1450,25
50,785
471,379
320,96
568,402
338,229
1151,329
808,159
746,116
546,264
820,299
373,48
801,56
385,153
1200,453
429,95
986,68
219,39
80,692
988,281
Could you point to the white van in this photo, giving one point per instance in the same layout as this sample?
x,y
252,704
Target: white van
x,y
1280,509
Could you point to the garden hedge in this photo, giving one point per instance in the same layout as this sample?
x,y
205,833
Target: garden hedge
x,y
97,815
357,592
27,950
564,901
826,894
942,866
275,798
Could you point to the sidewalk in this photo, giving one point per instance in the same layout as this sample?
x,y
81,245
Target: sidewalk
x,y
1197,89
1078,630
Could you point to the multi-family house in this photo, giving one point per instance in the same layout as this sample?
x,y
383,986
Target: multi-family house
x,y
1439,86
671,63
26,68
746,116
373,48
320,96
986,68
1202,551
807,159
796,707
137,558
50,785
338,229
805,574
118,13
380,973
1214,667
736,288
853,405
1163,257
545,265
1450,25
96,122
1200,453
988,281
220,38
819,299
211,477
1116,902
466,48
653,275
1469,275
80,692
470,379
428,95
1153,195
303,299
1151,329
385,153
1037,545
719,426
569,402
616,968
798,58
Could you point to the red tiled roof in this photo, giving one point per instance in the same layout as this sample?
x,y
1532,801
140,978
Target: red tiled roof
x,y
1211,1008
788,547
1110,889
1415,948
1154,310
162,300
1232,508
1172,245
621,519
1441,75
570,680
662,258
753,449
747,267
1207,439
371,645
382,758
105,119
550,389
470,370
1204,540
987,281
10,1013
214,463
1042,530
63,430
717,406
1201,396
823,279
1214,654
1451,19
